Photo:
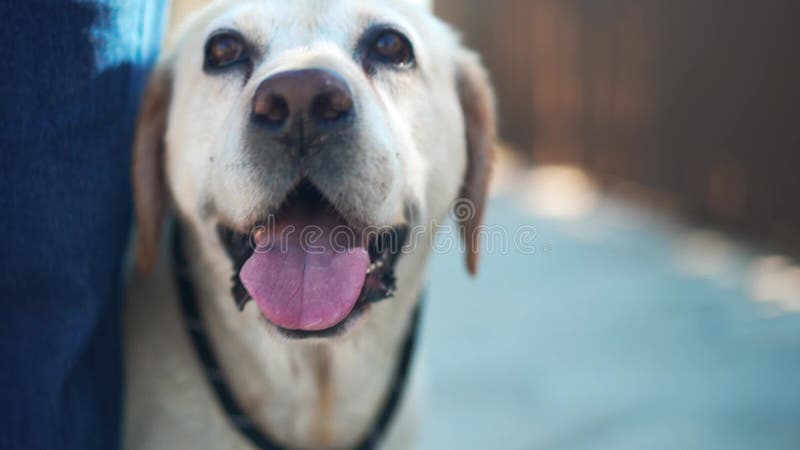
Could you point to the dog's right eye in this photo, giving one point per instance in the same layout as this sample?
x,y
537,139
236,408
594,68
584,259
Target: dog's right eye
x,y
224,49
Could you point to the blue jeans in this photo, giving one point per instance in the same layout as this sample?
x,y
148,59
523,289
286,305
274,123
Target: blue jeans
x,y
71,79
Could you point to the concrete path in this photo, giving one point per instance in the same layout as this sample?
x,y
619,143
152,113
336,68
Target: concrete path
x,y
623,330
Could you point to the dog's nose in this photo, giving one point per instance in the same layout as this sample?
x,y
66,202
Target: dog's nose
x,y
315,98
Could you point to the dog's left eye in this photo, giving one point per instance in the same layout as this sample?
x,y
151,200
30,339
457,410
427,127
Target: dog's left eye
x,y
224,49
391,47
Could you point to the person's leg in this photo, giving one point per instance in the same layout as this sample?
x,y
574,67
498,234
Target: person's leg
x,y
72,76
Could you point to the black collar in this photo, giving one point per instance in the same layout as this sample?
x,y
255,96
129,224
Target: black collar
x,y
195,325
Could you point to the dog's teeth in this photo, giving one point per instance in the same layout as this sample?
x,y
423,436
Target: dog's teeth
x,y
374,266
260,236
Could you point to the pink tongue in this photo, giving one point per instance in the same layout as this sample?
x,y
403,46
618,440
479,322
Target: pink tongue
x,y
310,289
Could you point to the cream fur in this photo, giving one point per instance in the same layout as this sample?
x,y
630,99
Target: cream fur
x,y
411,148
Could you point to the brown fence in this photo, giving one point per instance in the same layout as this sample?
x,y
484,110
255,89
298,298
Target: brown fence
x,y
696,102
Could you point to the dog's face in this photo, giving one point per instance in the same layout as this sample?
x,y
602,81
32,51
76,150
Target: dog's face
x,y
301,140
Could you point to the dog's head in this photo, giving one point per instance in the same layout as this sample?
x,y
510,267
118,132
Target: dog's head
x,y
301,141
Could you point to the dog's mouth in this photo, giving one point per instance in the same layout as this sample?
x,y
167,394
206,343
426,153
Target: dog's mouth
x,y
309,272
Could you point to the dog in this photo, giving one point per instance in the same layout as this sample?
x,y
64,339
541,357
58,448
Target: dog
x,y
269,116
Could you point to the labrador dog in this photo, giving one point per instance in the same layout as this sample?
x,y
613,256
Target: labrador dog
x,y
362,121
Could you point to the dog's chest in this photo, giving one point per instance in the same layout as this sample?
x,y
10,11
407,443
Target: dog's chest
x,y
168,403
314,398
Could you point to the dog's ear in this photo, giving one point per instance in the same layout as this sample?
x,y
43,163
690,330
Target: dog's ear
x,y
149,185
478,105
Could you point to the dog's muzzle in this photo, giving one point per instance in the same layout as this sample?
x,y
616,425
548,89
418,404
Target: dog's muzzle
x,y
307,270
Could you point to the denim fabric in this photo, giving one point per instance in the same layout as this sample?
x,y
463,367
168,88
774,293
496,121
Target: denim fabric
x,y
71,79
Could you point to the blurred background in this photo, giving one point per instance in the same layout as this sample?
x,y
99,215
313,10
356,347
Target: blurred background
x,y
654,146
692,104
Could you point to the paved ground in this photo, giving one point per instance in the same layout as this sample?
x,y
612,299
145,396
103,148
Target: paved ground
x,y
624,331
